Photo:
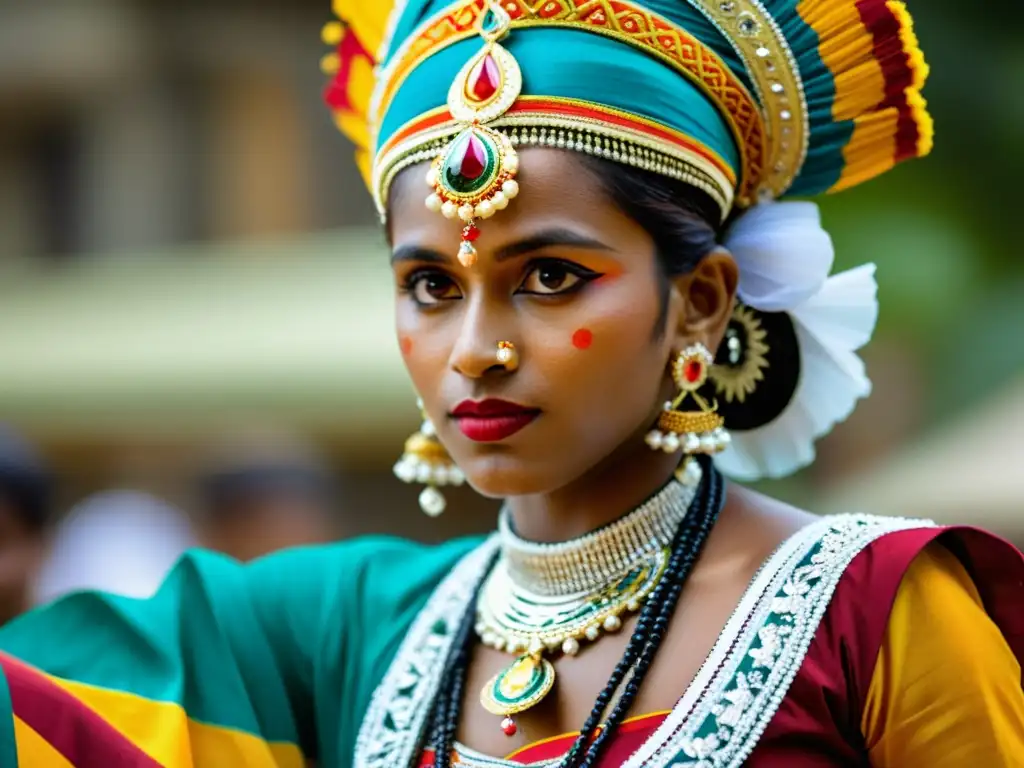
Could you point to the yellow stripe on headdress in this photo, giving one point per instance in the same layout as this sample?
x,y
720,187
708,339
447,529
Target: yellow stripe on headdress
x,y
357,39
369,20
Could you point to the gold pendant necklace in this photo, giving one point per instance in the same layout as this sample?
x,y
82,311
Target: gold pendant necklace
x,y
545,599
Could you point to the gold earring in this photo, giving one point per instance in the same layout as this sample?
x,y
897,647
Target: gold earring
x,y
693,432
508,355
426,461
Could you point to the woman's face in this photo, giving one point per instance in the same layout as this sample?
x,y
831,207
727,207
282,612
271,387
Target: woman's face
x,y
574,285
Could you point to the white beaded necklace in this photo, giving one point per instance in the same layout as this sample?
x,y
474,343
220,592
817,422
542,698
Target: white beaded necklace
x,y
545,597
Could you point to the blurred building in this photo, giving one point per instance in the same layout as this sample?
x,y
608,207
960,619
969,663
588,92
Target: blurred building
x,y
130,124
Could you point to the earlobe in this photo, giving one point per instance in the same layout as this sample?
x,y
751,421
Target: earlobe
x,y
708,293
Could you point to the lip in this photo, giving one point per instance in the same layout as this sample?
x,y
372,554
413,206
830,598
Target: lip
x,y
489,421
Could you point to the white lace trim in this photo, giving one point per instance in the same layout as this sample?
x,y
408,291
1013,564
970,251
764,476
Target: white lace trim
x,y
396,716
723,713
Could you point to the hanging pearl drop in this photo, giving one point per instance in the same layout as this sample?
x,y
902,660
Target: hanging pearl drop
x,y
432,502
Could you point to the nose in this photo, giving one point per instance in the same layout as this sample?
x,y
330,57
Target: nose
x,y
475,353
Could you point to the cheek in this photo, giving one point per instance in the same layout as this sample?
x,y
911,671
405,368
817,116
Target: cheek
x,y
610,354
425,344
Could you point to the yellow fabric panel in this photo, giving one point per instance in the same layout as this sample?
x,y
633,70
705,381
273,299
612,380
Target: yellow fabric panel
x,y
368,19
34,751
946,690
163,731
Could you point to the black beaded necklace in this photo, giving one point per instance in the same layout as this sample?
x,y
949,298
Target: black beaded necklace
x,y
652,622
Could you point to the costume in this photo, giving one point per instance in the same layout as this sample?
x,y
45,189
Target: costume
x,y
325,653
861,640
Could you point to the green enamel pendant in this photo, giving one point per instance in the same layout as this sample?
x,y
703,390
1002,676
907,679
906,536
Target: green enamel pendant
x,y
470,166
519,686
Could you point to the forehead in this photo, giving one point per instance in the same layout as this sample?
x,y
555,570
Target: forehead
x,y
557,187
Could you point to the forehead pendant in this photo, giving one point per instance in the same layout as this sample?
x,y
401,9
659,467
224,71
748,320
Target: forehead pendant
x,y
474,177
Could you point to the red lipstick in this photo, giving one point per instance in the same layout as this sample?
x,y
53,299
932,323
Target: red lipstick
x,y
489,421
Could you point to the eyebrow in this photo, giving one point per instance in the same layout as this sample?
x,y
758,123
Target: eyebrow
x,y
547,238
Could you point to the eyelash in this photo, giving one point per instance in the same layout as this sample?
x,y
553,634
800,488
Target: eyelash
x,y
584,277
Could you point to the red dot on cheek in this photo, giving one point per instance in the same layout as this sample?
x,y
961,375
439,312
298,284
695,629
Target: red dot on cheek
x,y
405,344
583,338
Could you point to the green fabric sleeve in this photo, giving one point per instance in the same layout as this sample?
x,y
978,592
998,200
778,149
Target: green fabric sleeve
x,y
288,648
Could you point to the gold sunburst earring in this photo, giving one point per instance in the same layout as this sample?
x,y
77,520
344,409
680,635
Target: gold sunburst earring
x,y
696,431
426,461
738,375
474,177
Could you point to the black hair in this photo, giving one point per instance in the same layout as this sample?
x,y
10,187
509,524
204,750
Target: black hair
x,y
26,483
676,215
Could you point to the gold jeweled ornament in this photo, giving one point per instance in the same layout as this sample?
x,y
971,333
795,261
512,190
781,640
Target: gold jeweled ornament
x,y
474,177
701,431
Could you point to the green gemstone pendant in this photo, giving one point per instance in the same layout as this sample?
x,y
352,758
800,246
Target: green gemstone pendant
x,y
470,165
519,686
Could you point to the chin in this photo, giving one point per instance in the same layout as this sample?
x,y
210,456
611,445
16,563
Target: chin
x,y
500,475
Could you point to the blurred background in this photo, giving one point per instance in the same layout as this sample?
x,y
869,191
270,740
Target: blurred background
x,y
195,305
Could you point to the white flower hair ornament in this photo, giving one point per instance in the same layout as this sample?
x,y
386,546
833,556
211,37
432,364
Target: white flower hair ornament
x,y
788,371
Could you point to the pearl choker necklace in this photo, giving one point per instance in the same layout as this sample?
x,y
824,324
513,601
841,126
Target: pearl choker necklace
x,y
593,561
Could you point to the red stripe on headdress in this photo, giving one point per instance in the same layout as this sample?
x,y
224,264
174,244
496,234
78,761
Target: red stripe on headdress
x,y
895,62
336,92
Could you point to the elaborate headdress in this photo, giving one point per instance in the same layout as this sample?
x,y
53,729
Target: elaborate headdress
x,y
750,101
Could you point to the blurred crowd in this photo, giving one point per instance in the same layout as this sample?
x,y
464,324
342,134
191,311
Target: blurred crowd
x,y
249,499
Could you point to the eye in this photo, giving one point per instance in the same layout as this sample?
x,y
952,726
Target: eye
x,y
428,288
552,277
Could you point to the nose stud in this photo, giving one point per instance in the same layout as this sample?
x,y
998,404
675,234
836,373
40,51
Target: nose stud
x,y
508,355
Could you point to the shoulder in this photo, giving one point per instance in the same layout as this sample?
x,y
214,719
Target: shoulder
x,y
372,576
885,569
367,555
873,560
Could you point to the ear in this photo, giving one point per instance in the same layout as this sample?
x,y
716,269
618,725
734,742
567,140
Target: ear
x,y
707,295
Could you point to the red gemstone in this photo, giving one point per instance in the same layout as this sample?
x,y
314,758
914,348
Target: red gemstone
x,y
470,160
470,233
484,79
508,725
693,371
